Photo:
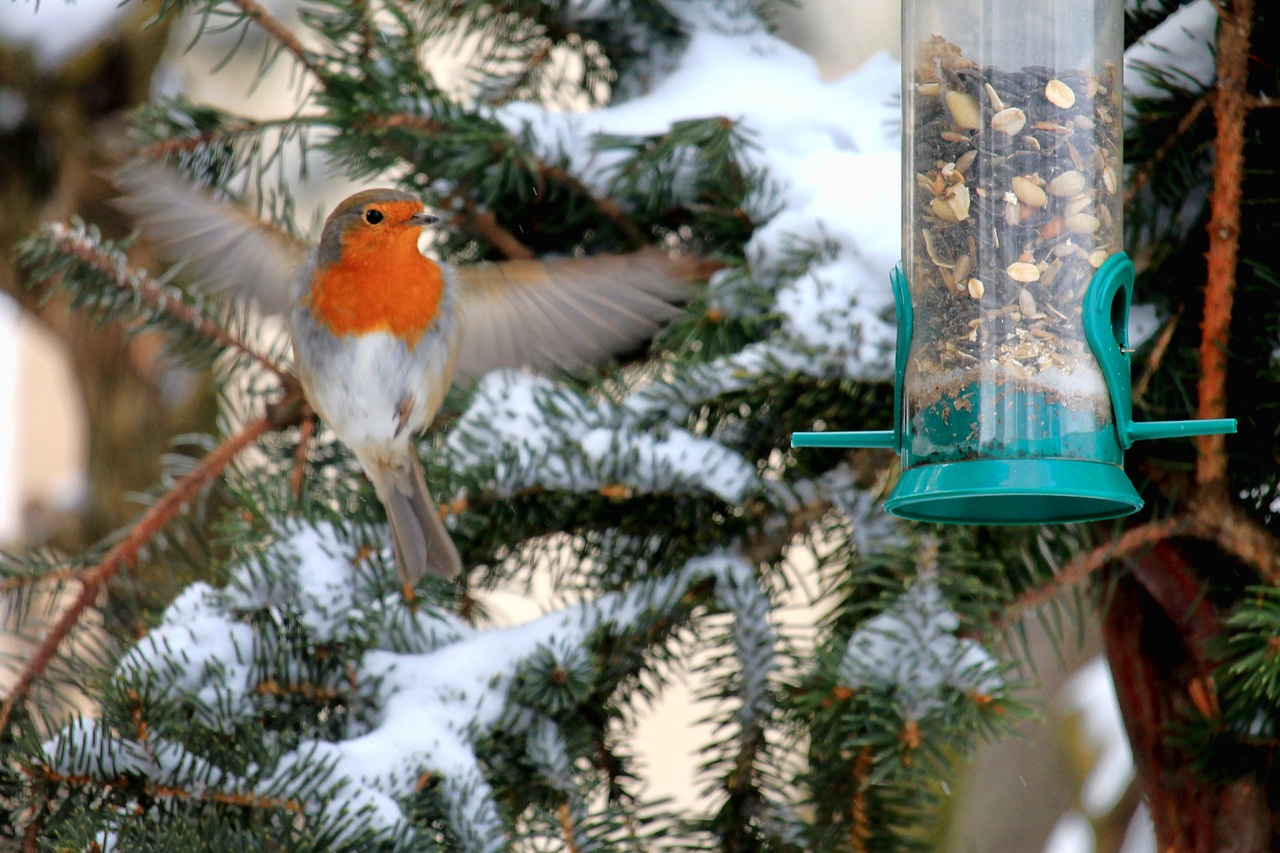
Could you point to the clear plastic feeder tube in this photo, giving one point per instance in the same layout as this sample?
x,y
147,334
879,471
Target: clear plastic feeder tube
x,y
1011,201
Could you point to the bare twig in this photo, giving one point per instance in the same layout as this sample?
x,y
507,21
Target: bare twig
x,y
566,826
859,819
1158,350
1142,536
1230,107
486,223
183,493
1142,174
607,206
205,795
1239,535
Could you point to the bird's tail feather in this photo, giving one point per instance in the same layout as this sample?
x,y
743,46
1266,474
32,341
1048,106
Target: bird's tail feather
x,y
418,535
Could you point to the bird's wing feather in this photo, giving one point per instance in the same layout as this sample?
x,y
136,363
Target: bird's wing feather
x,y
222,246
565,312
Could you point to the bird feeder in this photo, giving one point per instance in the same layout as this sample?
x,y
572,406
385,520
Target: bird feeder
x,y
1012,401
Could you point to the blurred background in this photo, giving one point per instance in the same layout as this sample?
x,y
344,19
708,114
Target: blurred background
x,y
86,414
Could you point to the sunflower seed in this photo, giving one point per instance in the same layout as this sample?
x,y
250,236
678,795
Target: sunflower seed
x,y
1068,184
1009,121
1024,272
964,111
1028,192
1082,223
1059,94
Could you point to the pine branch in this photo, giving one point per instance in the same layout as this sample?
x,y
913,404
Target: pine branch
x,y
97,271
1143,174
16,582
485,222
607,206
125,553
1230,109
278,31
1143,536
163,149
565,817
203,795
1239,535
859,819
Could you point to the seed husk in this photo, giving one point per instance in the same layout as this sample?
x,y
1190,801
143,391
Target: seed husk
x,y
1023,272
1059,94
996,103
929,89
1098,257
1109,180
964,111
1012,214
1009,121
965,160
976,288
1028,192
1027,303
957,198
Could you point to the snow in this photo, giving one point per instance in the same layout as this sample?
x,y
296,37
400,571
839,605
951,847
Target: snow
x,y
57,31
325,587
198,651
912,649
1184,42
1071,834
1092,694
10,388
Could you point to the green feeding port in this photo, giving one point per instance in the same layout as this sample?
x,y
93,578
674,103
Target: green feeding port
x,y
993,442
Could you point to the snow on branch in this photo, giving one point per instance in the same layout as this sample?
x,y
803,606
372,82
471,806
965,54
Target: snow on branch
x,y
418,705
523,430
912,650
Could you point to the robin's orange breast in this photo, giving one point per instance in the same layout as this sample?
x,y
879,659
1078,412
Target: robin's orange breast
x,y
380,283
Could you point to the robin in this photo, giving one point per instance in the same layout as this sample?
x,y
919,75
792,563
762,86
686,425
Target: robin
x,y
380,330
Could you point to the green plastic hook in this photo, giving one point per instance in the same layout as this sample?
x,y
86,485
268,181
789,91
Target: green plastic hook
x,y
1106,327
878,437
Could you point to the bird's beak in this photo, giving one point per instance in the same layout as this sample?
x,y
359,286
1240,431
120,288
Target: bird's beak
x,y
423,219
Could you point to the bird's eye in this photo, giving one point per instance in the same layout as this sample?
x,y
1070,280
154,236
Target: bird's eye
x,y
373,216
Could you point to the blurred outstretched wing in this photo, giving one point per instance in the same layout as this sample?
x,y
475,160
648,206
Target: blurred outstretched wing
x,y
566,312
221,245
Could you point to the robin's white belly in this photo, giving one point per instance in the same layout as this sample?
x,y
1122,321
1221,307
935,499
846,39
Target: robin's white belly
x,y
371,389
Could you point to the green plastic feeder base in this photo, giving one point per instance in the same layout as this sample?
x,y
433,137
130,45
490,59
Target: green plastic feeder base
x,y
1013,491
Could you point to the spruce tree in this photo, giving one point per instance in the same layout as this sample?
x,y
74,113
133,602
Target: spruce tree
x,y
298,699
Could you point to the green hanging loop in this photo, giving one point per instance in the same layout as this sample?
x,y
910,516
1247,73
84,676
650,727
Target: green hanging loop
x,y
1106,327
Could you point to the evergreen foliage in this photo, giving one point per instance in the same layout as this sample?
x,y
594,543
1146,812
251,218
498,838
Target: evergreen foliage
x,y
296,700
